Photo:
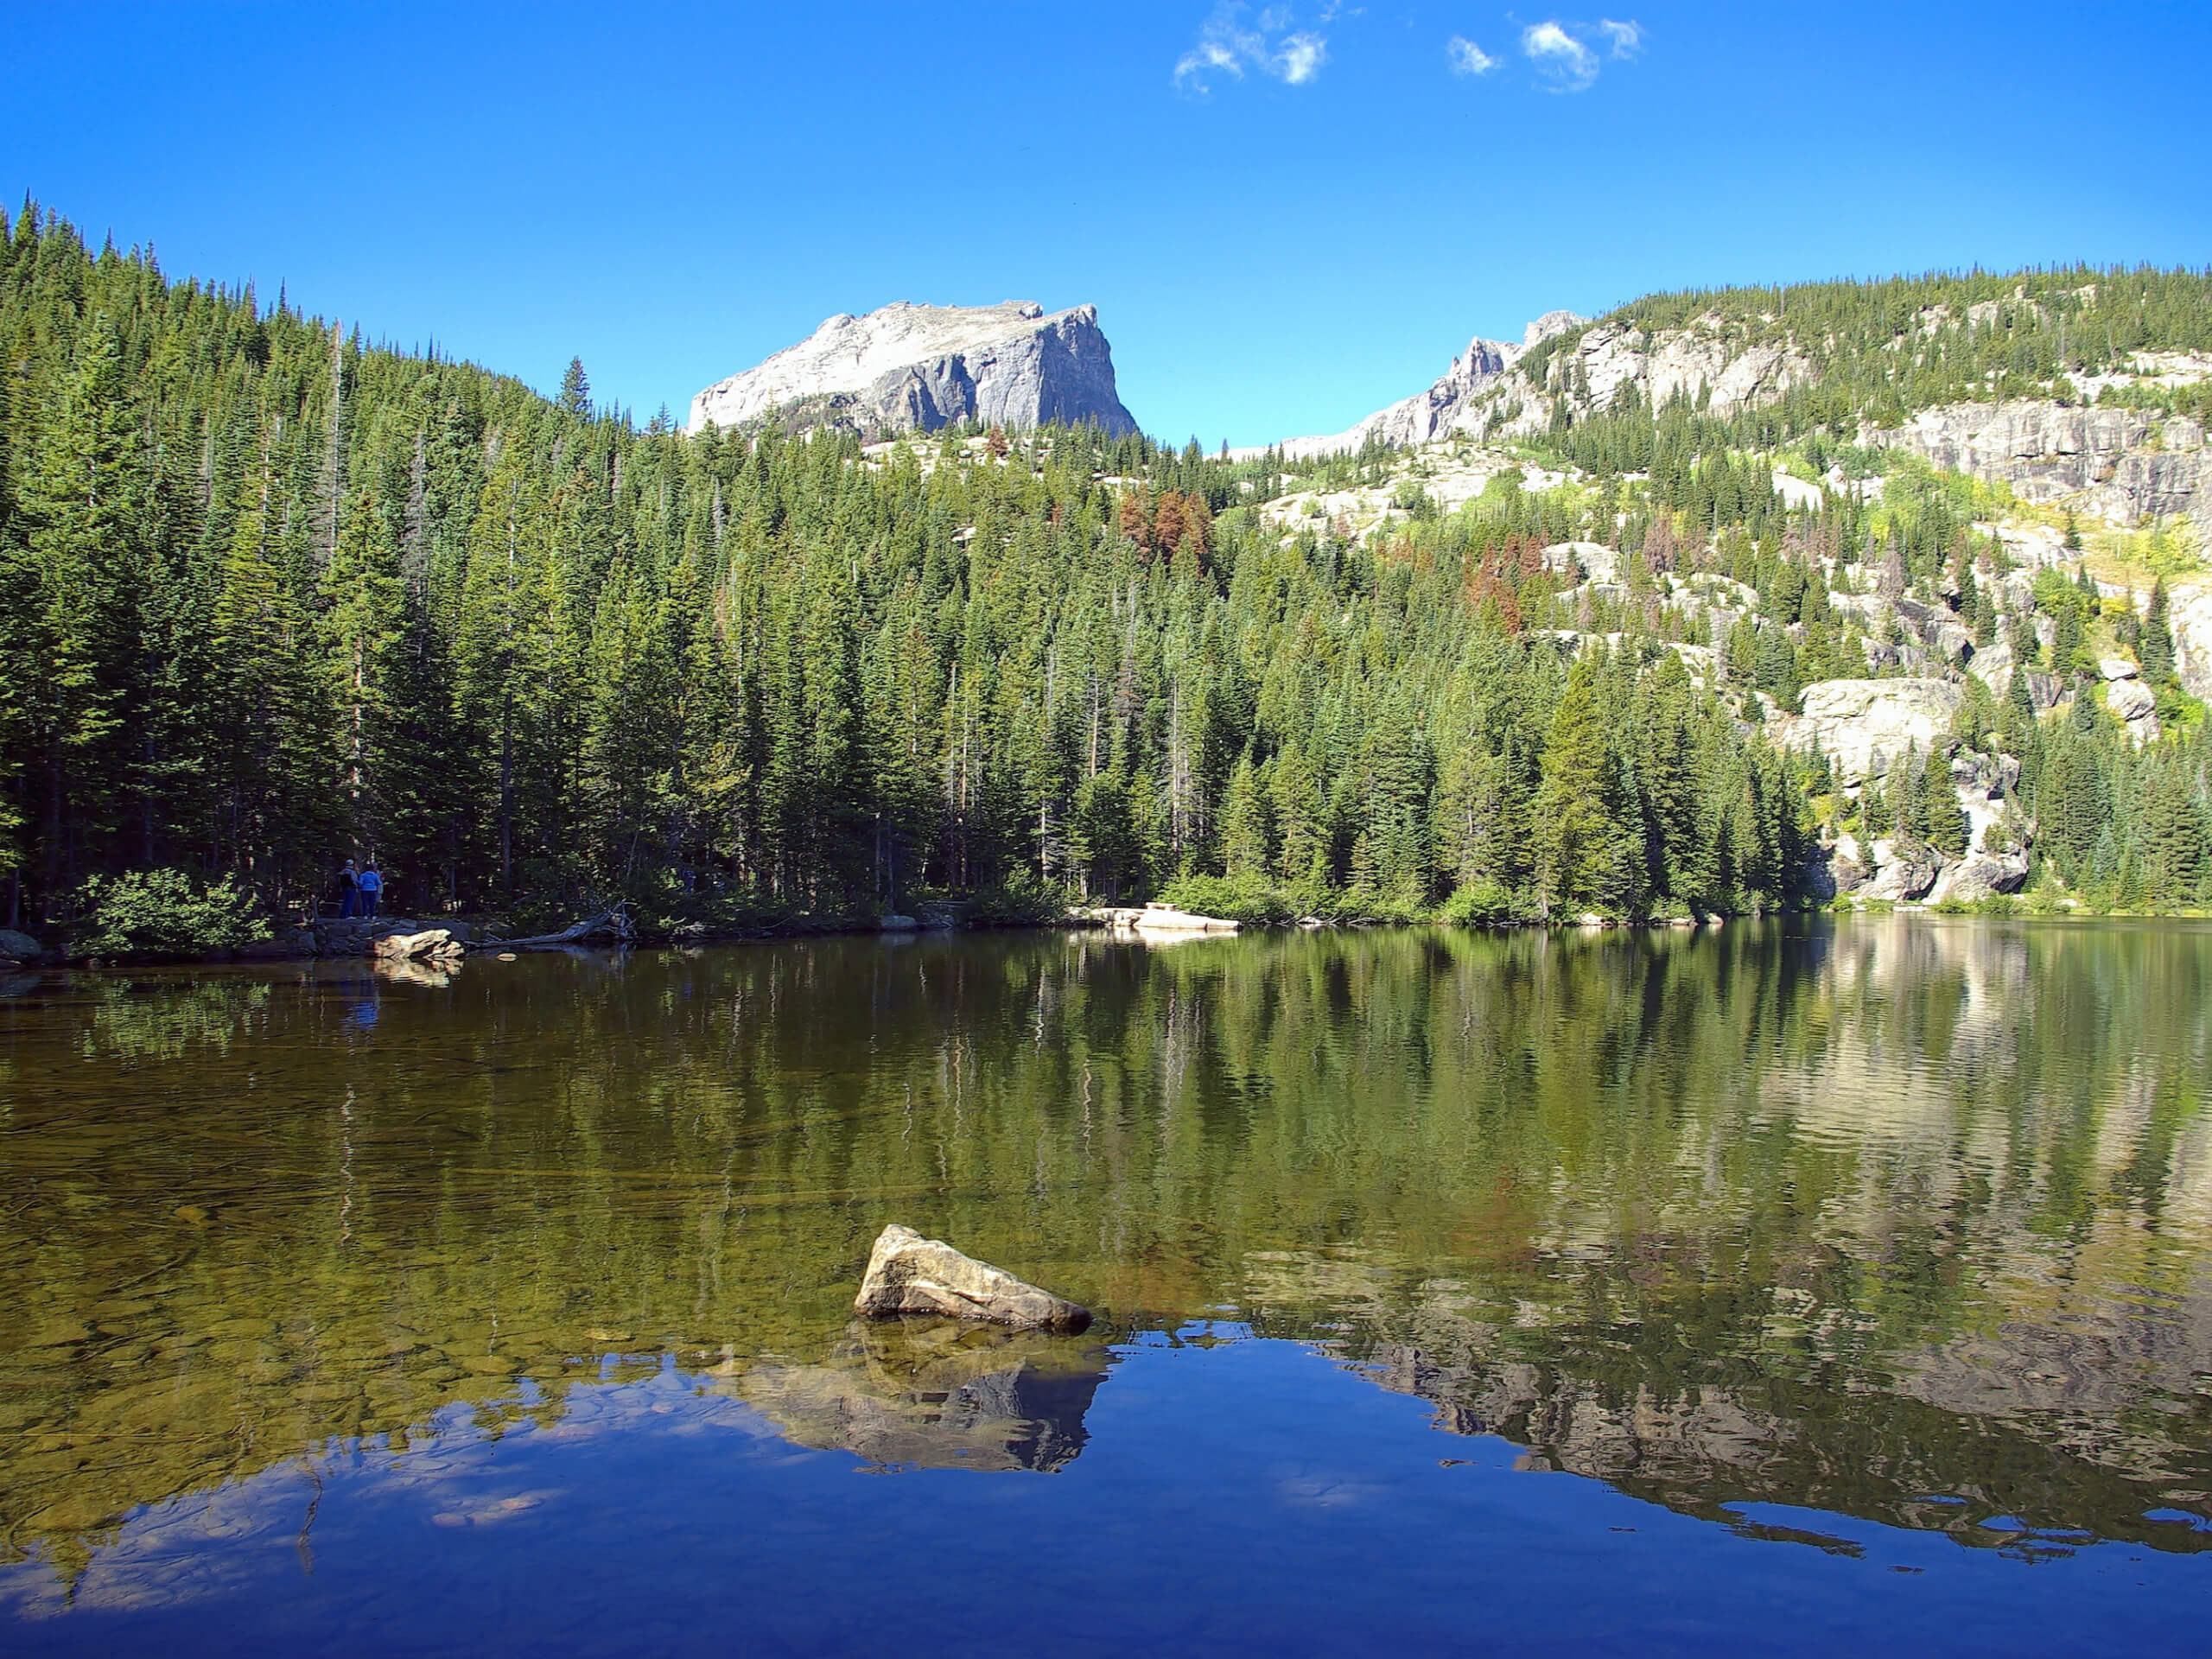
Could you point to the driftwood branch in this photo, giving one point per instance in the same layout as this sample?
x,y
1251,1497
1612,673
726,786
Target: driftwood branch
x,y
611,925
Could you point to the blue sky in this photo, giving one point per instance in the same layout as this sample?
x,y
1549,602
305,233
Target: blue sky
x,y
1287,215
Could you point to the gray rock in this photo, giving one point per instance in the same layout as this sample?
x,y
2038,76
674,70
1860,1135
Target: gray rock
x,y
2046,452
2129,699
1903,871
1865,727
1979,875
908,1274
918,367
1992,665
435,941
22,946
2045,690
2189,618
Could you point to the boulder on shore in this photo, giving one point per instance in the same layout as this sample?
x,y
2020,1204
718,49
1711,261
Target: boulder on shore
x,y
908,1274
431,942
1978,876
20,946
1904,870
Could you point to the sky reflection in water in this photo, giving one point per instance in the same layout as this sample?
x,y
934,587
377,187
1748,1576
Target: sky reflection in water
x,y
1783,1288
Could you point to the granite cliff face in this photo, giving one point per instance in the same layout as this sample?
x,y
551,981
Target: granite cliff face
x,y
1485,392
1446,407
2120,464
2124,464
918,367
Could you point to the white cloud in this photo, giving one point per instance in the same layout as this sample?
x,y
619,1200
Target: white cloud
x,y
1627,38
1562,59
1300,57
1226,47
1467,58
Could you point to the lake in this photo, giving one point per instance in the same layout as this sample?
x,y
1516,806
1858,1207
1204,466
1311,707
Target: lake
x,y
1795,1286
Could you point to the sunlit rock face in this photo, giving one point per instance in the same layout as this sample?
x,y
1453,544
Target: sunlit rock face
x,y
934,1394
1449,404
2123,464
911,367
1865,727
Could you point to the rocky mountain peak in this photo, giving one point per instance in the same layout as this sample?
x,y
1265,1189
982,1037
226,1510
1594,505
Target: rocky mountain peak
x,y
909,367
1552,322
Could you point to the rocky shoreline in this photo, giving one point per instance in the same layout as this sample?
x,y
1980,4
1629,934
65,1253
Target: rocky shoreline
x,y
1902,881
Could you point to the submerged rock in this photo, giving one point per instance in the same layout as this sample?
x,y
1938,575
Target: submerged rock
x,y
908,1274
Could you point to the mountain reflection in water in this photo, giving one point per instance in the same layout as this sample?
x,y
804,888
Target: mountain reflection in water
x,y
1897,1219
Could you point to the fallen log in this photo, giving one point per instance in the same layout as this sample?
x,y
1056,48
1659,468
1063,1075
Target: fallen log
x,y
612,924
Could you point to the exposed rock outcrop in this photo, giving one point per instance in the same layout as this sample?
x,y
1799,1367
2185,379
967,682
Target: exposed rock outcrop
x,y
918,367
1448,406
908,1274
2123,463
1979,875
2190,620
1158,919
1903,870
1865,727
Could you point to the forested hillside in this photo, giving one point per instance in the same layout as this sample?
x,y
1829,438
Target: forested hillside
x,y
1874,351
271,596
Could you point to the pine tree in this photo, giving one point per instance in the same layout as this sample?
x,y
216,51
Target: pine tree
x,y
1948,824
2156,647
1247,824
1574,809
575,391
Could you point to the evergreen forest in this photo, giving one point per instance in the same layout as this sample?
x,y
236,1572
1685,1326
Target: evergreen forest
x,y
272,596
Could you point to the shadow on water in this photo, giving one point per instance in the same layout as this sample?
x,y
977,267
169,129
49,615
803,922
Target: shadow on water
x,y
1899,1219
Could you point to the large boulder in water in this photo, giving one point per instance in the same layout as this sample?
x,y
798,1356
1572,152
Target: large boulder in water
x,y
20,946
908,1274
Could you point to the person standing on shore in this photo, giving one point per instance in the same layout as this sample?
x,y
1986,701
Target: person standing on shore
x,y
349,889
372,883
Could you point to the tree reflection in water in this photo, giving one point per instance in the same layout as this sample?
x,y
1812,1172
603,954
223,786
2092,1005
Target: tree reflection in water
x,y
1867,1219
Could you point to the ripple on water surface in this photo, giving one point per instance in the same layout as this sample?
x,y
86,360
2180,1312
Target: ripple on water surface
x,y
1789,1285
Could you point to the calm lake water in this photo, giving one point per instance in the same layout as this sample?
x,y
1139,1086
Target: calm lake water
x,y
1797,1287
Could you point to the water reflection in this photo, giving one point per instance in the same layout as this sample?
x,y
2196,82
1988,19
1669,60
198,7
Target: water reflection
x,y
1898,1219
932,1394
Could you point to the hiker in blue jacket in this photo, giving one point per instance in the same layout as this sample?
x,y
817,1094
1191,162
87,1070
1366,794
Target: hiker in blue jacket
x,y
371,885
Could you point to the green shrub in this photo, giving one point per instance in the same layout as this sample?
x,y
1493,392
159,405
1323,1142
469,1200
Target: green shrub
x,y
1234,899
1487,904
1022,901
1391,907
163,913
